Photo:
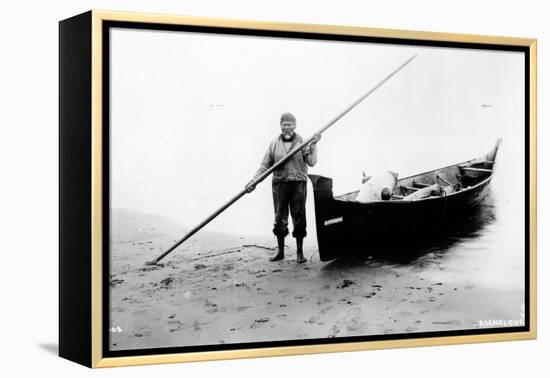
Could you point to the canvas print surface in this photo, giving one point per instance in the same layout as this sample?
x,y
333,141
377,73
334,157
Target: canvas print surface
x,y
406,217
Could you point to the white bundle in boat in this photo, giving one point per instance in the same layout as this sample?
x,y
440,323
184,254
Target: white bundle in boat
x,y
376,188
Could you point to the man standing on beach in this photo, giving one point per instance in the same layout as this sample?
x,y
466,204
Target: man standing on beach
x,y
289,184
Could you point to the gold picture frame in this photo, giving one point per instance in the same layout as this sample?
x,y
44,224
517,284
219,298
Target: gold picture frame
x,y
83,188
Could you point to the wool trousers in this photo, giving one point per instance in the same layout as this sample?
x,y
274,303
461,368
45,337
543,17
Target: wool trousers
x,y
290,195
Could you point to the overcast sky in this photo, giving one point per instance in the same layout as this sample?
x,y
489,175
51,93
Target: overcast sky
x,y
192,115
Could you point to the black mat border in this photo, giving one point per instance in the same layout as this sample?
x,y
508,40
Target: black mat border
x,y
107,25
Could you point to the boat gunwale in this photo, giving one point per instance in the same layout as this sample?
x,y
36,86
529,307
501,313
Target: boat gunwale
x,y
336,198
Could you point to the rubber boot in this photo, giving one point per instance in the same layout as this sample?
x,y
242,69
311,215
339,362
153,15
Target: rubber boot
x,y
299,251
281,252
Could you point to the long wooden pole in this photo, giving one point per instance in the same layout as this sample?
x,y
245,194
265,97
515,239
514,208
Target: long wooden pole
x,y
277,165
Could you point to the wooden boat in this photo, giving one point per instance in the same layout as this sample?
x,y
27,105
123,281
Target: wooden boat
x,y
347,228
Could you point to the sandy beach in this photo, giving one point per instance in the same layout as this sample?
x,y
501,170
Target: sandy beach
x,y
219,288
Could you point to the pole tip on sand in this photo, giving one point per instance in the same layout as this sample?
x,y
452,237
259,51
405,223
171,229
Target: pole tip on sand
x,y
153,262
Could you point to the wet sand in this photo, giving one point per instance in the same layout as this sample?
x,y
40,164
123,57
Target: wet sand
x,y
219,288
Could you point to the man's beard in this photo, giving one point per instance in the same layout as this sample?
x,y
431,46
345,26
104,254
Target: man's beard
x,y
288,137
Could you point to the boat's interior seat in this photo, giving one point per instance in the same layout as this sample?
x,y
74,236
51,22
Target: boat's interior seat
x,y
472,169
